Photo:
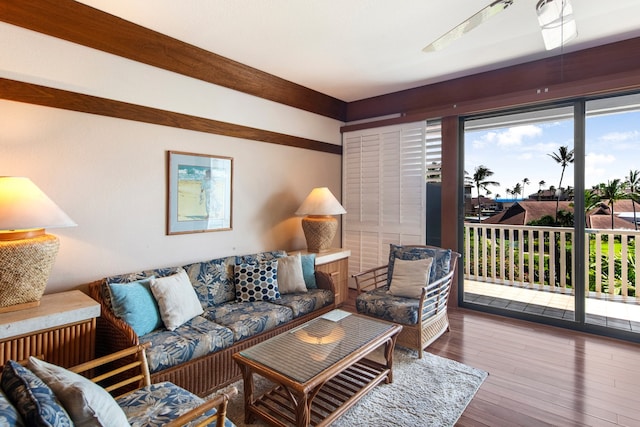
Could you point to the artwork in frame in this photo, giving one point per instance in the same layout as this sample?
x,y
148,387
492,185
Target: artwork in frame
x,y
200,193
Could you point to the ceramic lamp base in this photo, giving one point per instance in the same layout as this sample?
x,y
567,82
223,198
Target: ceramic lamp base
x,y
319,230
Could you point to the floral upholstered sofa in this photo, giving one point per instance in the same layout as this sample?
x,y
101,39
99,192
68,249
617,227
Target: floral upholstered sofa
x,y
233,303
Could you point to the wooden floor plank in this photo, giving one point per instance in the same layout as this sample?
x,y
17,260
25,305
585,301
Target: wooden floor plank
x,y
541,375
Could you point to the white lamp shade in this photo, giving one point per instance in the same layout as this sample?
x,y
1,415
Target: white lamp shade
x,y
556,22
320,202
23,206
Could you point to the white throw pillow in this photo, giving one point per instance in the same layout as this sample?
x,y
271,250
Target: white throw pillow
x,y
409,277
177,300
290,275
87,403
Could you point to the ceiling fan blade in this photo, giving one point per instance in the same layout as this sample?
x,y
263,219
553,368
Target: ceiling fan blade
x,y
468,25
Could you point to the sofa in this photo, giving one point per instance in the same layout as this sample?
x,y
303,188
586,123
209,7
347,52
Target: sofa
x,y
241,301
39,393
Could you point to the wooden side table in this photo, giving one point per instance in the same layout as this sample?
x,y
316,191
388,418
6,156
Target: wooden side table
x,y
61,330
335,262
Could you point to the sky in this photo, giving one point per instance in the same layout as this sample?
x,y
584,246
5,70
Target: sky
x,y
517,152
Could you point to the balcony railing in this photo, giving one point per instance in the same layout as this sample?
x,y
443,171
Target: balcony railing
x,y
541,258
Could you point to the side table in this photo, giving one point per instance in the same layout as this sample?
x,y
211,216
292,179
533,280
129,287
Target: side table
x,y
335,262
61,330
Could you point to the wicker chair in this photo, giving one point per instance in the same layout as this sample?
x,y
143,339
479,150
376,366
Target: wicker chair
x,y
424,319
146,397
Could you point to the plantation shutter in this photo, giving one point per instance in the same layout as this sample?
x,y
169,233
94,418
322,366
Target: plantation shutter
x,y
383,192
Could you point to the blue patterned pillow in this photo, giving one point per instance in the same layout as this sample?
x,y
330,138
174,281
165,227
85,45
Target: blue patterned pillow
x,y
257,281
30,395
309,270
439,267
9,415
134,303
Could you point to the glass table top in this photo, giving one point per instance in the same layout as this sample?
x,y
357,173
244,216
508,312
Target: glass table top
x,y
303,352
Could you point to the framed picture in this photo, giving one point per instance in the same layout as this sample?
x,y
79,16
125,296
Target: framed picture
x,y
199,193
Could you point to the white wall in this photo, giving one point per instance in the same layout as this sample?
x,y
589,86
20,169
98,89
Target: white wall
x,y
109,175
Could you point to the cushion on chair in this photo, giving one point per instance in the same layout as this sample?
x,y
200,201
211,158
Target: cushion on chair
x,y
134,303
290,275
9,415
410,277
441,259
379,303
247,319
213,280
157,404
309,270
88,404
195,338
257,281
177,300
304,303
34,400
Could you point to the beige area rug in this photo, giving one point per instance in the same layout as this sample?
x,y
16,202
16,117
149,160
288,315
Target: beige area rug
x,y
432,391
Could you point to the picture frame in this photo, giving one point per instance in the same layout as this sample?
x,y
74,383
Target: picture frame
x,y
199,193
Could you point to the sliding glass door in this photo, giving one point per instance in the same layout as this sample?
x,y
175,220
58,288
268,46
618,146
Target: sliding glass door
x,y
519,227
552,214
612,183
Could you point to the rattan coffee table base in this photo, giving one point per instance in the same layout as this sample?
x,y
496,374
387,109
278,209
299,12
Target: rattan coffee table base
x,y
332,399
325,396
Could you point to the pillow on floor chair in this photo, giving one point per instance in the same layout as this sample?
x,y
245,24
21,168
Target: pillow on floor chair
x,y
87,403
34,400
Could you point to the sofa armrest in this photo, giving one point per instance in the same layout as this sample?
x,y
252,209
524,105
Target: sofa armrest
x,y
113,333
324,281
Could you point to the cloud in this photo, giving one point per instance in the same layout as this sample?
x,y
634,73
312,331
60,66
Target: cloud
x,y
595,167
620,136
515,135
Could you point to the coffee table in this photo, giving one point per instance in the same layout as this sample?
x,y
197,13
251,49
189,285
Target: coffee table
x,y
319,369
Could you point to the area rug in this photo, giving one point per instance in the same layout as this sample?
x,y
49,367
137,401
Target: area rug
x,y
432,391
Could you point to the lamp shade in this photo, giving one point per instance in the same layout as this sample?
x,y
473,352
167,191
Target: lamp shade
x,y
556,22
23,206
321,202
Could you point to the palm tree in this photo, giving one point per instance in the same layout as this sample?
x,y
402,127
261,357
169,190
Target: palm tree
x,y
524,182
634,184
613,191
563,157
480,176
517,189
540,184
591,200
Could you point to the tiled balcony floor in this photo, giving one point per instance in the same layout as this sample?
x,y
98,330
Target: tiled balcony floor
x,y
615,314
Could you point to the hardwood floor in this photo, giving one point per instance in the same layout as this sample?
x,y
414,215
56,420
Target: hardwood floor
x,y
542,375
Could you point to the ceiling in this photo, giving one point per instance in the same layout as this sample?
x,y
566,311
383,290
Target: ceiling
x,y
356,49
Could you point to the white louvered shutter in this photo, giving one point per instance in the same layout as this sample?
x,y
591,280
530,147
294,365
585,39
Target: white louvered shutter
x,y
383,192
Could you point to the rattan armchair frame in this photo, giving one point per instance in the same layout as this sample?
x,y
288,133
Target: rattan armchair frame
x,y
432,313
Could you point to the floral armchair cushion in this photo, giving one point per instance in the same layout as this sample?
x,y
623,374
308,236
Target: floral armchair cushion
x,y
157,404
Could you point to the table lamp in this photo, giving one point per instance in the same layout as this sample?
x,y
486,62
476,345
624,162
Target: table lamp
x,y
27,254
319,224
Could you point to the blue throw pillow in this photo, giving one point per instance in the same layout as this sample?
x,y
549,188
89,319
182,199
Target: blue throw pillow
x,y
9,415
439,267
309,270
33,399
257,281
134,303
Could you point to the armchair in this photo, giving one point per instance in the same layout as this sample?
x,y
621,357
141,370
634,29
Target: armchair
x,y
424,319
